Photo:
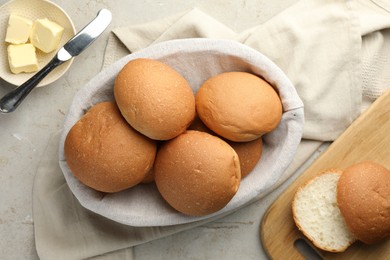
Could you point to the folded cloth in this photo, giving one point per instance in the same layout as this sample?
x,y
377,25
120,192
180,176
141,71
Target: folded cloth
x,y
188,57
335,53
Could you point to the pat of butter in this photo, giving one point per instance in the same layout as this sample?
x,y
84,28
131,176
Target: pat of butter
x,y
18,29
46,35
22,58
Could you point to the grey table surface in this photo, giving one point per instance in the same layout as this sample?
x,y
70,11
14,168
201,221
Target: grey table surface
x,y
25,133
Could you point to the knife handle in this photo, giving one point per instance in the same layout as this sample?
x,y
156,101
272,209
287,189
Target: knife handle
x,y
12,100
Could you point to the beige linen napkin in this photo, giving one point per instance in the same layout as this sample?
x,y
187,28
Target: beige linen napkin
x,y
335,53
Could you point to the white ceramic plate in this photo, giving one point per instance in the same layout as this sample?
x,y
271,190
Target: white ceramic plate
x,y
34,9
196,60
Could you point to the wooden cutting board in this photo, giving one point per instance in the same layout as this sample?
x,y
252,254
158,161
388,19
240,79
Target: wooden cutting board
x,y
368,138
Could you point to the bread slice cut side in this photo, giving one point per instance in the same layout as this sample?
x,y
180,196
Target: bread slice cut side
x,y
317,215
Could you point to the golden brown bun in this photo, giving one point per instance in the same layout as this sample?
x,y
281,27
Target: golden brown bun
x,y
198,125
155,99
249,154
238,106
363,196
149,177
197,173
105,153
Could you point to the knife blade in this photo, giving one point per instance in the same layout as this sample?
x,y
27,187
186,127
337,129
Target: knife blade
x,y
86,36
71,49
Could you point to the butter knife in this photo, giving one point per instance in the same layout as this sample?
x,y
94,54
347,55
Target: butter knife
x,y
71,49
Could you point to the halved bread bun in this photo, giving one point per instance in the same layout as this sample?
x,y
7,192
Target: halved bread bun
x,y
317,215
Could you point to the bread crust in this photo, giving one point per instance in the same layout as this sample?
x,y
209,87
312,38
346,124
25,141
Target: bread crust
x,y
154,98
298,222
197,173
105,153
238,106
249,153
363,196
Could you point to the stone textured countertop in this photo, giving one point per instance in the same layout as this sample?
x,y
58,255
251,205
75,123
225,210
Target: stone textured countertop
x,y
25,133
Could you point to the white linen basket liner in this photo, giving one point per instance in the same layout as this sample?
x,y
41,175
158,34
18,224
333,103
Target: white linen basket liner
x,y
197,60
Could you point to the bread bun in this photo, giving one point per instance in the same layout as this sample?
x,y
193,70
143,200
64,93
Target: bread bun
x,y
155,99
363,195
249,154
105,153
198,125
197,173
238,106
149,177
316,214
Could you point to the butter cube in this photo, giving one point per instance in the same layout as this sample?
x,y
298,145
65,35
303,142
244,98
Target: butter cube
x,y
22,58
18,29
46,35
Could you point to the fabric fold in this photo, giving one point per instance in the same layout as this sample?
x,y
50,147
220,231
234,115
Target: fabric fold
x,y
335,52
65,230
328,80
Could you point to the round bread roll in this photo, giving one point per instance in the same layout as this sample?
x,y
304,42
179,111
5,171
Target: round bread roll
x,y
149,177
249,154
197,173
238,106
105,153
155,99
363,196
198,125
